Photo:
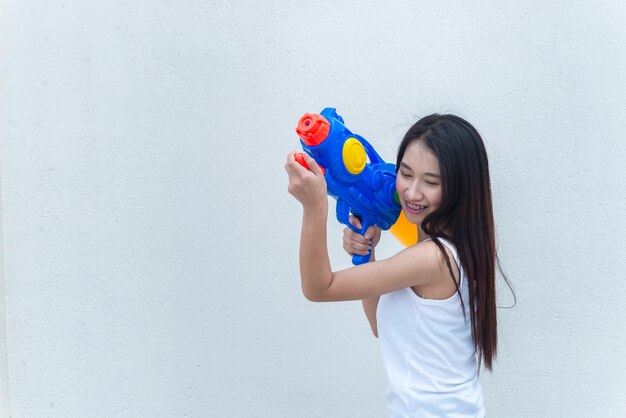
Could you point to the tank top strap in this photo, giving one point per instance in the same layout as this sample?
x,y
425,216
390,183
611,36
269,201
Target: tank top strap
x,y
455,256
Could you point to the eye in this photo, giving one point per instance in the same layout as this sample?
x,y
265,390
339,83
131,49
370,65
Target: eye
x,y
405,175
432,183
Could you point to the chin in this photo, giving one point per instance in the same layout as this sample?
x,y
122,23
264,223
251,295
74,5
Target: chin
x,y
416,219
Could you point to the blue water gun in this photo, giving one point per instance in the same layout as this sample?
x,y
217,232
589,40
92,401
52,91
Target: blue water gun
x,y
365,189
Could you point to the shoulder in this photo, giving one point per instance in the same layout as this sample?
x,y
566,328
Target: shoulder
x,y
425,262
428,252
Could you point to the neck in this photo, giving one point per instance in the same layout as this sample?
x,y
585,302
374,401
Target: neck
x,y
421,235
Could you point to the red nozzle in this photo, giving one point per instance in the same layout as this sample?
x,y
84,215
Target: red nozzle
x,y
300,158
313,129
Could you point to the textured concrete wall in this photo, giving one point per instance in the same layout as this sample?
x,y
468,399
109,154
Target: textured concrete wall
x,y
150,246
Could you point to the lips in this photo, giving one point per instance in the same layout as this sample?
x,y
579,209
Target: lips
x,y
414,208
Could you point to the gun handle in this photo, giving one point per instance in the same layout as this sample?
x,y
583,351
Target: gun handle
x,y
356,258
361,259
343,216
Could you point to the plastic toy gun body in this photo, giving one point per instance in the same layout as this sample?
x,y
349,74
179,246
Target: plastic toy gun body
x,y
367,189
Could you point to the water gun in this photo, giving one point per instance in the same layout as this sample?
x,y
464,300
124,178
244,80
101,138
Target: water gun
x,y
365,189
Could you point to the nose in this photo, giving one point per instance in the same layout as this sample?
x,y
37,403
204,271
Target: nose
x,y
413,193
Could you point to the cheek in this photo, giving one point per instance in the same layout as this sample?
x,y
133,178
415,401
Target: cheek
x,y
401,186
434,197
437,197
398,183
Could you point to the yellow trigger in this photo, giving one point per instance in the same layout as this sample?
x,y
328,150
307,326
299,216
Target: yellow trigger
x,y
354,157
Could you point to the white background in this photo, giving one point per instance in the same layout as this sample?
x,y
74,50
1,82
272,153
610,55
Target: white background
x,y
150,246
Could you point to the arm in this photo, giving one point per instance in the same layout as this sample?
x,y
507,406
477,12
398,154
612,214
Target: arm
x,y
355,243
315,271
370,305
314,222
309,187
414,266
417,265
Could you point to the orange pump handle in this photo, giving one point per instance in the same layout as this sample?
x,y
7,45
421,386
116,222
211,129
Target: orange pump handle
x,y
300,158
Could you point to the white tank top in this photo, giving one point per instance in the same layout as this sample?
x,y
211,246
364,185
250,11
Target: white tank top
x,y
428,353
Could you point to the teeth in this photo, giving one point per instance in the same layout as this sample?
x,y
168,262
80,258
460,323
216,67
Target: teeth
x,y
415,207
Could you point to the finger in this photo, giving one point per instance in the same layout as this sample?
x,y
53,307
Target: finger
x,y
371,231
355,221
313,166
288,166
290,160
354,236
352,247
288,169
292,166
352,251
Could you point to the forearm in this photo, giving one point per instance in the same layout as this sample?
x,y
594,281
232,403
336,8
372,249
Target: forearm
x,y
370,305
315,271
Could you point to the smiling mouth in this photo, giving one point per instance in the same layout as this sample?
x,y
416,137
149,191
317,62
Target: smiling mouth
x,y
415,208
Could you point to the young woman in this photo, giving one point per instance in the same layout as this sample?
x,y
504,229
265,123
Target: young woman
x,y
432,305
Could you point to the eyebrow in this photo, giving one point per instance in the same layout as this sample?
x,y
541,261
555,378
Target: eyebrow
x,y
404,165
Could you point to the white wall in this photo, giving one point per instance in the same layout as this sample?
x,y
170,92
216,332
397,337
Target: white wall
x,y
150,246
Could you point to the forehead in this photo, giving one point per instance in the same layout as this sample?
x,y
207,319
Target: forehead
x,y
418,157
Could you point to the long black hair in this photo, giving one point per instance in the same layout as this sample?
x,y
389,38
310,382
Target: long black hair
x,y
464,217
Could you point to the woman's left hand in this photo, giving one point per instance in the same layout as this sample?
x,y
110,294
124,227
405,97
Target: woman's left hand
x,y
309,187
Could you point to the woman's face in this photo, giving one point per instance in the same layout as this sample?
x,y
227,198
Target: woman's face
x,y
418,182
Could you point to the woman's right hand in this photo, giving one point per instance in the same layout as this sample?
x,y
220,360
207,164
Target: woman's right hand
x,y
306,184
355,243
